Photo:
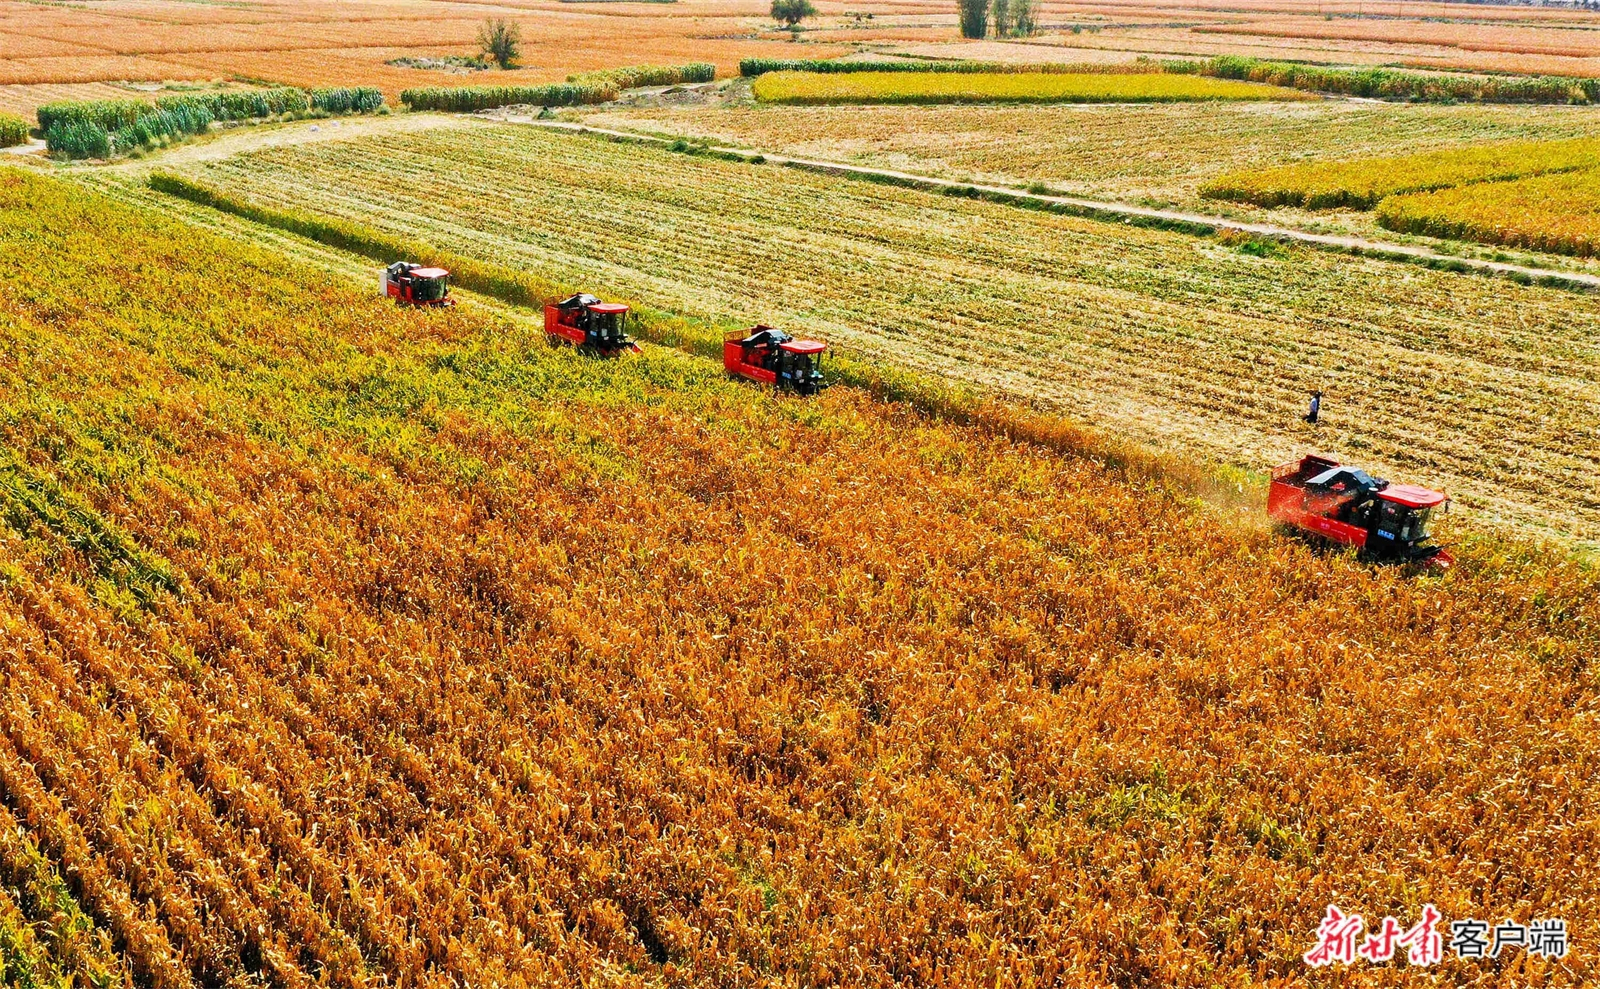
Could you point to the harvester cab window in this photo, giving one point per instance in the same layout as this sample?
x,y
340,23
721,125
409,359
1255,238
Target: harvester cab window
x,y
1393,520
604,324
429,289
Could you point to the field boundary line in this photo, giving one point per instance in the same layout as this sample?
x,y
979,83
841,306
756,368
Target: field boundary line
x,y
1201,224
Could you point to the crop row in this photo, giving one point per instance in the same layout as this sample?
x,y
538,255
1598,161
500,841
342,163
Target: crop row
x,y
104,128
1146,332
931,87
631,76
13,130
1389,84
1362,182
228,105
589,87
486,664
1376,83
1558,213
751,67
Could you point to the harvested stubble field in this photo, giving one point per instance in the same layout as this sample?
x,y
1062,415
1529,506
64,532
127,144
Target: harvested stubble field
x,y
344,644
1484,387
1133,153
807,88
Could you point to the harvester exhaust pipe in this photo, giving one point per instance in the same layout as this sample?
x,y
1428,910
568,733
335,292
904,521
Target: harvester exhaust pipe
x,y
1316,408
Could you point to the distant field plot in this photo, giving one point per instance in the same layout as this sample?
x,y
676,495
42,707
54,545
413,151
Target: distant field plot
x,y
24,100
1533,40
1556,213
1484,387
1479,38
94,68
1157,151
1361,182
934,87
306,43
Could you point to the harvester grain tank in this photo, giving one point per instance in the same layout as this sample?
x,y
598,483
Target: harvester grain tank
x,y
583,321
1351,507
773,357
415,285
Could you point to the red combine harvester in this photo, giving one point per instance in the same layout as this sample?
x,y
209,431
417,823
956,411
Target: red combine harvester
x,y
584,321
1351,507
415,285
775,358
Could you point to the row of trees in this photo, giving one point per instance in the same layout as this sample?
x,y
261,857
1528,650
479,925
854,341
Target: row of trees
x,y
1011,18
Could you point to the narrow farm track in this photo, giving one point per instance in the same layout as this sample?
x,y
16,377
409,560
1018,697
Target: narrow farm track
x,y
1107,209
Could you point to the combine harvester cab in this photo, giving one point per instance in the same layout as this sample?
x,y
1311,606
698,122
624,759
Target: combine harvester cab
x,y
413,285
773,357
1344,505
585,322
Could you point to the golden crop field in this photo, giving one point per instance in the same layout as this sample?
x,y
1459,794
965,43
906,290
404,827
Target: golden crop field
x,y
1483,387
1160,152
1558,213
1020,87
1362,182
348,645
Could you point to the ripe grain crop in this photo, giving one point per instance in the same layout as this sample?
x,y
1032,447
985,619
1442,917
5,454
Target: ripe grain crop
x,y
24,101
580,88
751,67
1180,341
348,644
101,68
1005,87
1363,182
1557,213
13,131
631,76
1387,84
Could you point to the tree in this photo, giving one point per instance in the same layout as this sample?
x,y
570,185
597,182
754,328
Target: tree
x,y
1023,24
1000,12
501,40
792,12
974,18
